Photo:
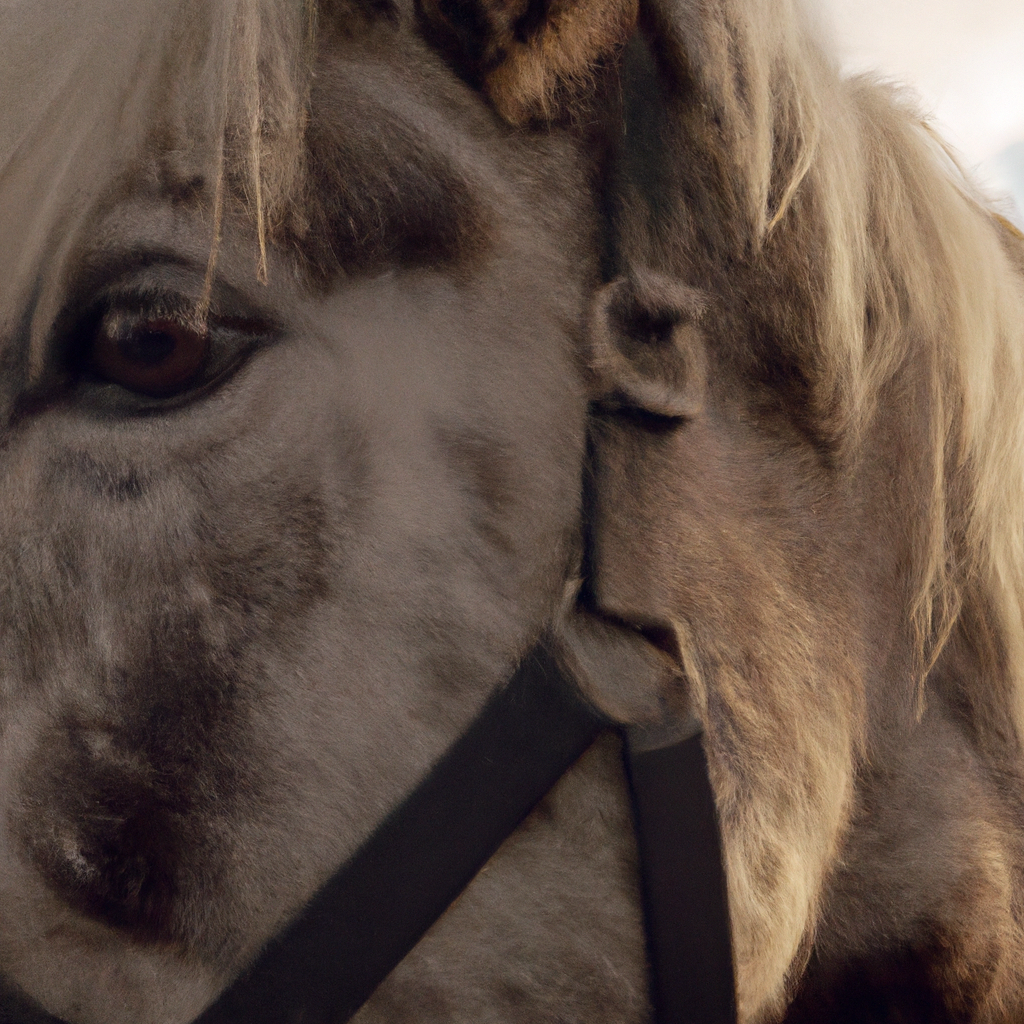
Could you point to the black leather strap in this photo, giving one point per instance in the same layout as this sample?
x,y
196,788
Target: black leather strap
x,y
323,967
686,906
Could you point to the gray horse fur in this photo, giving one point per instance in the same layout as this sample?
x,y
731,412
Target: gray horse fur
x,y
345,348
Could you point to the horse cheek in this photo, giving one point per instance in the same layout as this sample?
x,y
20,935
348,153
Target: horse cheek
x,y
682,543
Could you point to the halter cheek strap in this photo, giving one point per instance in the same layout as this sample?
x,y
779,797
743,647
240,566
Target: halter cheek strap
x,y
686,907
359,926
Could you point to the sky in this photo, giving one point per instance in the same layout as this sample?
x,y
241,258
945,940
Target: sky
x,y
965,58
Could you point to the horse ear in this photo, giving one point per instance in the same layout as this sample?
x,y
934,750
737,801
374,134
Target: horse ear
x,y
646,347
531,57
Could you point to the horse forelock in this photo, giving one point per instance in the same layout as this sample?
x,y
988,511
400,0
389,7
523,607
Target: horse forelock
x,y
211,99
929,292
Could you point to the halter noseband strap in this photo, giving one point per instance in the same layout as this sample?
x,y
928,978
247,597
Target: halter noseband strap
x,y
359,926
362,923
357,929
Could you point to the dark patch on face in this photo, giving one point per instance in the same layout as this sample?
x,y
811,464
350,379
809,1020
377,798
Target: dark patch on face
x,y
118,485
892,986
14,358
18,1008
532,20
268,557
126,803
379,193
461,33
116,812
484,469
785,396
183,189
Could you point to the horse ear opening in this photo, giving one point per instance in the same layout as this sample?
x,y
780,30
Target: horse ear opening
x,y
533,58
647,351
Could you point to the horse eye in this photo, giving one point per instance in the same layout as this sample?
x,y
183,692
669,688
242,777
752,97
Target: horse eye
x,y
152,356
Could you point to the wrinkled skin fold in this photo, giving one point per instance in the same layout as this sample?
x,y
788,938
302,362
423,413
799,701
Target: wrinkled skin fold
x,y
346,348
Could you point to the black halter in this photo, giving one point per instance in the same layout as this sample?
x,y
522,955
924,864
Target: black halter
x,y
359,926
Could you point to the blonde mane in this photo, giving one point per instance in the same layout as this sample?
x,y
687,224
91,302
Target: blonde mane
x,y
907,263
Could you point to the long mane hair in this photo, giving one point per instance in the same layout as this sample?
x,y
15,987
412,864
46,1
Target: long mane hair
x,y
848,236
837,197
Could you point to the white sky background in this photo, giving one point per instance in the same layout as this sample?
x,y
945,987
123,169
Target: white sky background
x,y
965,58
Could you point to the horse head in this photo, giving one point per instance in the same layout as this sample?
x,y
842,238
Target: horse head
x,y
350,347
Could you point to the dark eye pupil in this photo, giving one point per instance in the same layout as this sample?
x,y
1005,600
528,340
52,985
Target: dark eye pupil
x,y
148,348
158,357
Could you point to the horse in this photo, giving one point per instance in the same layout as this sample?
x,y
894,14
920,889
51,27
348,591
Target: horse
x,y
349,347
